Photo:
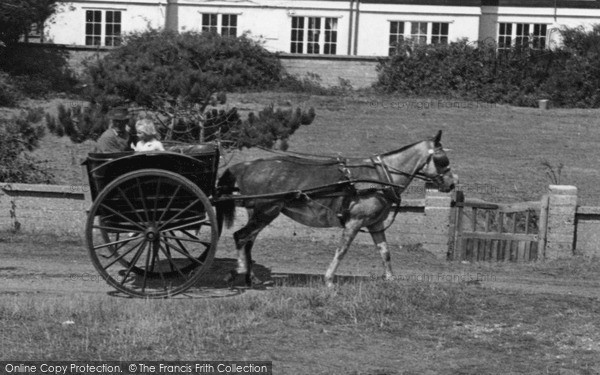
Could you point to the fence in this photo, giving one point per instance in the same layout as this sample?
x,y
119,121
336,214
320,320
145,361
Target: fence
x,y
432,221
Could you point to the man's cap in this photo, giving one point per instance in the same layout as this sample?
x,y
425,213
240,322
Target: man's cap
x,y
118,113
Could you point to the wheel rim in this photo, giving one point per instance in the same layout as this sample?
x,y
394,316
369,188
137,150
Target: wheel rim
x,y
152,233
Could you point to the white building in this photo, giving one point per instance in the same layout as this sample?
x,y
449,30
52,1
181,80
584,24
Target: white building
x,y
331,27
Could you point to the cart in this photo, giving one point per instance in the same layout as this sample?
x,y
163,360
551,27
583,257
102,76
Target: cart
x,y
151,229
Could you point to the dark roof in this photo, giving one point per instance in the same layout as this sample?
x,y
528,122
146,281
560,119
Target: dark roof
x,y
476,3
543,3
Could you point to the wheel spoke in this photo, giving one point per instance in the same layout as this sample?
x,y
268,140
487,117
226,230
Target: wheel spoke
x,y
197,222
123,216
179,214
154,258
154,213
179,239
133,262
115,229
116,243
168,208
183,252
123,255
168,254
146,268
143,199
129,204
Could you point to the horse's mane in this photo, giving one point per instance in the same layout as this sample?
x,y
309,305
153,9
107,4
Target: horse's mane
x,y
314,159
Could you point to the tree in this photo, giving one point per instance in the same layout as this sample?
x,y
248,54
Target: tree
x,y
179,75
17,16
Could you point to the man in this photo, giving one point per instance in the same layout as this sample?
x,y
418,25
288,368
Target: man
x,y
116,137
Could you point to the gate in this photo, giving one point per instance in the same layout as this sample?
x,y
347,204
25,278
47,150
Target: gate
x,y
483,231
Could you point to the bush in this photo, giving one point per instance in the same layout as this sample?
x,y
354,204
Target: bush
x,y
569,76
38,71
79,123
17,136
164,66
179,78
9,94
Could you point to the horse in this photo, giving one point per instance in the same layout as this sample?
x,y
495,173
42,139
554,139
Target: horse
x,y
352,193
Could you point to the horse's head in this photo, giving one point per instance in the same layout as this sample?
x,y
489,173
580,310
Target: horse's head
x,y
437,165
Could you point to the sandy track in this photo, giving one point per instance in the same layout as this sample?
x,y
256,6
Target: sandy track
x,y
51,267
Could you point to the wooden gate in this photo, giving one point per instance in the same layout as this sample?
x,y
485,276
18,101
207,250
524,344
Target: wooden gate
x,y
484,231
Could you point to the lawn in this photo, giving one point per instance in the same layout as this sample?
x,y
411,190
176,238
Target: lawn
x,y
364,326
496,150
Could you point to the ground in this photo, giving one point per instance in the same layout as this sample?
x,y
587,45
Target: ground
x,y
540,317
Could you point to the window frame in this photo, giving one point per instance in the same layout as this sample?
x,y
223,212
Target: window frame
x,y
423,34
532,35
99,31
314,35
220,23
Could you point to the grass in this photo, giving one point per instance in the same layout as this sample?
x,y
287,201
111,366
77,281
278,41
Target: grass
x,y
500,152
383,327
364,326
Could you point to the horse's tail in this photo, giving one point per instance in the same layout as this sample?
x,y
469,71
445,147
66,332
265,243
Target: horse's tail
x,y
226,208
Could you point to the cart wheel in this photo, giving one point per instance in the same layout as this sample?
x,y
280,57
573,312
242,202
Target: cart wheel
x,y
152,233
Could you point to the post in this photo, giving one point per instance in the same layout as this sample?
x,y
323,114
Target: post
x,y
560,232
437,222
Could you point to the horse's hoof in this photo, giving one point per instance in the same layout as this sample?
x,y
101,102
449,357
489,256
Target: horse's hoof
x,y
229,279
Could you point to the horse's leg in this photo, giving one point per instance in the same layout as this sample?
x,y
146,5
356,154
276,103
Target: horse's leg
x,y
378,235
259,218
351,228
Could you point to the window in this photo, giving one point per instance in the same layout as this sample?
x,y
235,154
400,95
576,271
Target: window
x,y
505,36
297,35
315,35
439,33
209,22
226,23
229,25
417,33
540,33
396,35
522,34
102,33
522,38
112,35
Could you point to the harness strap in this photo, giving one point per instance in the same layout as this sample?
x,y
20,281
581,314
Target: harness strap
x,y
384,174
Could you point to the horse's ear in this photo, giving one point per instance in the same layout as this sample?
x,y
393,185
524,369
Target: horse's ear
x,y
438,137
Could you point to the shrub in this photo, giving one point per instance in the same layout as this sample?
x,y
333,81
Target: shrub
x,y
569,75
155,66
79,123
17,136
38,71
179,78
9,94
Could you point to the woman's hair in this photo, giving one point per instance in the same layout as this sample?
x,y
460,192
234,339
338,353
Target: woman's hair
x,y
146,127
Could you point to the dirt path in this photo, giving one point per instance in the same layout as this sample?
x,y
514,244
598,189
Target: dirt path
x,y
48,267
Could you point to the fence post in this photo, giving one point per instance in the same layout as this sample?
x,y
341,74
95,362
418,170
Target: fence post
x,y
560,232
437,222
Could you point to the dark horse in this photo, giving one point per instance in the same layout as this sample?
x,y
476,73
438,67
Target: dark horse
x,y
329,192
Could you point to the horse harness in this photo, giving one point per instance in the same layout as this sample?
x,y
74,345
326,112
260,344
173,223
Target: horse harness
x,y
388,189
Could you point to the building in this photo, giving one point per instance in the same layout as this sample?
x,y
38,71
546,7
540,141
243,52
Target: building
x,y
331,27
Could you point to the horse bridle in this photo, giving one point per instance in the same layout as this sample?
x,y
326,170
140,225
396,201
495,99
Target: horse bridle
x,y
438,179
